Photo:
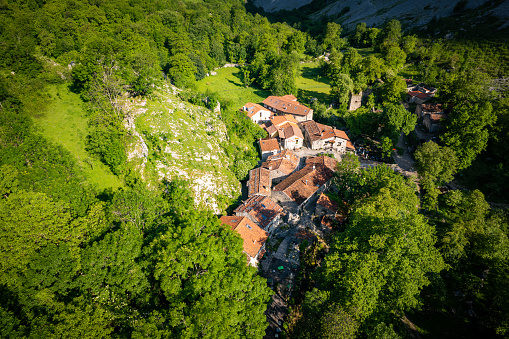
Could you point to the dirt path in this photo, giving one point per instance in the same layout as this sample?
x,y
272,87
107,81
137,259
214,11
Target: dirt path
x,y
406,161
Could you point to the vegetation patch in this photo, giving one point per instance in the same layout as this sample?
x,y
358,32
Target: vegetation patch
x,y
64,121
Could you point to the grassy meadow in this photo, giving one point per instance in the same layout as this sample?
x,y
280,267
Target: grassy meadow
x,y
228,84
312,84
64,122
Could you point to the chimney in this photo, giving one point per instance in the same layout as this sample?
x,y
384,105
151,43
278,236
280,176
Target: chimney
x,y
313,167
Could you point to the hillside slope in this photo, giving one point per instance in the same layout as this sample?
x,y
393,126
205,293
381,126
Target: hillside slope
x,y
376,12
172,138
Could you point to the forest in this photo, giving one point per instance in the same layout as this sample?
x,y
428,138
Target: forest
x,y
143,260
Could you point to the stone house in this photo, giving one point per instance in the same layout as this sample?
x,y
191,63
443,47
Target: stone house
x,y
257,113
422,109
281,165
259,182
432,115
416,97
319,136
433,121
268,146
355,101
261,210
326,206
288,104
253,237
302,186
286,129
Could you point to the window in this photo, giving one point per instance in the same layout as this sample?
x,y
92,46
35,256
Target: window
x,y
249,227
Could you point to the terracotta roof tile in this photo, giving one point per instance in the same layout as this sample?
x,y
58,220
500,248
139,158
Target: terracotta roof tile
x,y
252,109
329,204
289,130
269,128
285,105
254,237
269,145
300,185
259,182
285,161
431,108
290,97
232,221
278,120
418,94
260,208
317,131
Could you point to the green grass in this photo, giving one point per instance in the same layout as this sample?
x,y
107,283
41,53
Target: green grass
x,y
64,122
312,84
228,84
411,72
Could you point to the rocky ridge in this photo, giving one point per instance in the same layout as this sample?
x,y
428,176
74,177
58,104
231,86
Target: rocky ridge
x,y
376,12
175,139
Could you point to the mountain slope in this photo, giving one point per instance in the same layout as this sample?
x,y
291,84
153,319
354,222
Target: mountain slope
x,y
175,139
376,12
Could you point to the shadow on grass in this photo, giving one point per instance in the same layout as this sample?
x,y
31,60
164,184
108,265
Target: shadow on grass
x,y
307,95
315,74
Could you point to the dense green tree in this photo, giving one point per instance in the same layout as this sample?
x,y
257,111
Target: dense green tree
x,y
436,166
394,89
396,119
395,58
467,131
357,38
332,39
392,32
181,70
370,264
373,67
437,163
341,88
336,323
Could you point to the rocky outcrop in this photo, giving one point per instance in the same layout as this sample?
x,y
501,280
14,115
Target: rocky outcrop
x,y
174,139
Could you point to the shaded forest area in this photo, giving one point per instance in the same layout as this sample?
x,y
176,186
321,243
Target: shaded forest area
x,y
137,262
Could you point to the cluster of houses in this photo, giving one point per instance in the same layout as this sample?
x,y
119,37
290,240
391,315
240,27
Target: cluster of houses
x,y
431,114
283,176
291,125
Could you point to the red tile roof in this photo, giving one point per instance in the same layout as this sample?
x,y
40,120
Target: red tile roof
x,y
329,204
436,117
283,104
418,94
317,131
285,161
289,130
232,221
260,208
259,182
269,128
252,109
254,237
269,145
431,108
300,185
290,97
278,120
